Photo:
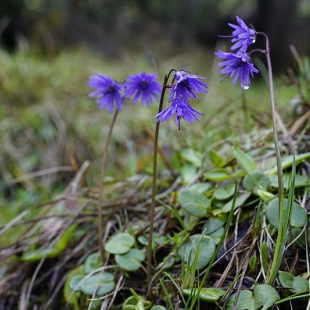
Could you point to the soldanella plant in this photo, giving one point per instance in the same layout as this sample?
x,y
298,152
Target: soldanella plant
x,y
184,88
238,65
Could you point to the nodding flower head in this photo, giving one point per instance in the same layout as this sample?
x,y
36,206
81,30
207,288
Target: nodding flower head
x,y
187,85
143,87
108,90
237,66
181,109
242,36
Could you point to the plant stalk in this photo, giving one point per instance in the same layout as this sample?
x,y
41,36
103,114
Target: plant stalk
x,y
282,229
154,187
101,182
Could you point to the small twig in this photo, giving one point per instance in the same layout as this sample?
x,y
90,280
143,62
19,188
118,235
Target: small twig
x,y
40,173
299,123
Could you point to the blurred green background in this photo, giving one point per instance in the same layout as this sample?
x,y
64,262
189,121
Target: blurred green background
x,y
50,48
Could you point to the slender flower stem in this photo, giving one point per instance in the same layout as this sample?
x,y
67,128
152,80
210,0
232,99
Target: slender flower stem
x,y
279,244
154,186
273,106
102,172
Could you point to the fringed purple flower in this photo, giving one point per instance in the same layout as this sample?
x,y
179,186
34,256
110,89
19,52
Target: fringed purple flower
x,y
108,90
237,66
142,87
181,109
187,85
243,36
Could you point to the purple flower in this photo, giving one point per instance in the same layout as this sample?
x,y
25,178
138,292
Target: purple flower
x,y
237,66
187,85
243,36
181,109
108,90
142,86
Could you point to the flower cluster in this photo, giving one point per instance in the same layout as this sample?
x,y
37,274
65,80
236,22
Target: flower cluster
x,y
186,86
142,86
239,65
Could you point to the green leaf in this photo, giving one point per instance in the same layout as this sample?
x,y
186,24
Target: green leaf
x,y
217,159
75,282
263,297
224,192
245,301
206,294
136,302
93,261
70,295
298,215
198,245
300,180
227,207
157,307
223,174
57,249
212,224
252,262
101,283
192,157
217,235
194,203
200,187
256,181
131,260
188,173
295,284
157,239
246,162
288,162
120,244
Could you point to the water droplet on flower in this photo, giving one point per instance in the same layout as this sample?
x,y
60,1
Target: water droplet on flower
x,y
246,86
253,40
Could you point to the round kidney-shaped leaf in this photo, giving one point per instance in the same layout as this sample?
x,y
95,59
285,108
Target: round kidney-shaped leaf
x,y
266,296
255,181
93,261
224,192
298,214
120,244
217,235
263,297
212,224
101,283
295,284
197,251
75,282
206,294
131,260
194,202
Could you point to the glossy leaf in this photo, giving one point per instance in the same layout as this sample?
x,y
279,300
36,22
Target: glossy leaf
x,y
194,203
245,161
131,260
298,215
99,283
120,244
256,181
206,294
224,192
197,245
